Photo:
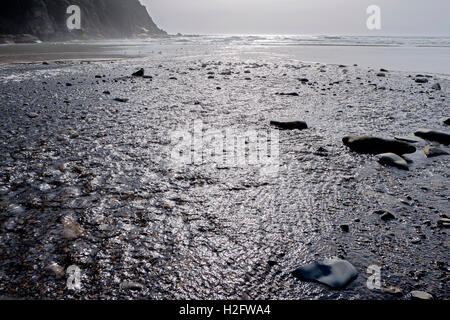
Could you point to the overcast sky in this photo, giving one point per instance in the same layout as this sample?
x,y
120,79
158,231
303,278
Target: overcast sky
x,y
399,17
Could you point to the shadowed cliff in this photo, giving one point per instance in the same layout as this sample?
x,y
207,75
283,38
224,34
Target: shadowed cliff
x,y
46,20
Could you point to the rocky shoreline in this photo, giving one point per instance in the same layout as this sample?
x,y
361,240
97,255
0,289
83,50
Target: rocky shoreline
x,y
86,180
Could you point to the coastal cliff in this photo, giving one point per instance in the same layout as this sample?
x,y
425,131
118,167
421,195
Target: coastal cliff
x,y
45,20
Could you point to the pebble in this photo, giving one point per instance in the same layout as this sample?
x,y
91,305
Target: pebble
x,y
436,86
289,124
395,291
421,295
421,80
130,285
71,229
56,269
123,100
334,272
139,73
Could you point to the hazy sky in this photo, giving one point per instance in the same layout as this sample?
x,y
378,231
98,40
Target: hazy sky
x,y
399,17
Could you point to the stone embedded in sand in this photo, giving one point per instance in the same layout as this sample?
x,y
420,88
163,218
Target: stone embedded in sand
x,y
391,159
443,223
436,86
387,216
421,80
56,269
446,121
303,80
432,152
421,295
381,74
289,125
395,291
130,285
433,135
294,94
374,145
123,100
139,73
71,229
336,273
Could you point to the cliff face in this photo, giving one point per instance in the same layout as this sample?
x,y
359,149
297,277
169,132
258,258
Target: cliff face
x,y
46,19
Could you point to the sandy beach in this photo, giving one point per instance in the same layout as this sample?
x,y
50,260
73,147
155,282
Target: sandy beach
x,y
87,179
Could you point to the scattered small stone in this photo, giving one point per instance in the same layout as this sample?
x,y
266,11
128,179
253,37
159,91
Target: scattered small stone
x,y
173,78
446,121
68,84
436,86
386,216
345,227
71,229
384,70
395,291
98,76
56,269
32,115
336,273
130,285
421,295
123,100
443,223
289,125
303,80
139,73
432,152
294,94
421,80
106,92
381,74
391,159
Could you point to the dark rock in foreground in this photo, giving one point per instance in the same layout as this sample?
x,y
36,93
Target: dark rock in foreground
x,y
139,73
433,135
446,121
391,159
374,145
290,125
335,273
432,152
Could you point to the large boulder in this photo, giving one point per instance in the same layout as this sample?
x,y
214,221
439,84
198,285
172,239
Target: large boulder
x,y
434,135
375,145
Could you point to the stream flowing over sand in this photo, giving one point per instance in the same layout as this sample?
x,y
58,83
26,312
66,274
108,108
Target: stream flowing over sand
x,y
87,178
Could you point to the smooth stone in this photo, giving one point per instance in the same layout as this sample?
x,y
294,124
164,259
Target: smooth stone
x,y
391,159
289,125
130,285
432,152
139,73
443,223
71,229
436,86
374,145
387,216
421,295
433,135
408,139
336,273
393,291
123,100
421,80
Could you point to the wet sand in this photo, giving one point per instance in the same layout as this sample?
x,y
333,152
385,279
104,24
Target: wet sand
x,y
88,181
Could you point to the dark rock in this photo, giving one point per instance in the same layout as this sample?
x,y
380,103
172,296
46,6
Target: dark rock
x,y
130,285
289,125
391,159
443,223
436,86
386,216
303,80
106,92
432,152
433,135
335,273
421,80
123,100
381,74
383,70
139,73
345,227
294,94
446,121
374,145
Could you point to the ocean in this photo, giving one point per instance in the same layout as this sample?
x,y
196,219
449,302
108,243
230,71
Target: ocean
x,y
413,54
